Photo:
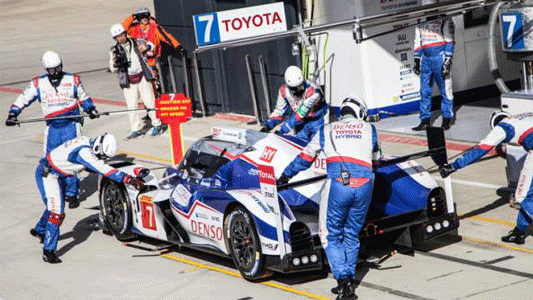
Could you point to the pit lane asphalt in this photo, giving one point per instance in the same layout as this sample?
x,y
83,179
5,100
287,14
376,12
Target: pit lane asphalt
x,y
96,266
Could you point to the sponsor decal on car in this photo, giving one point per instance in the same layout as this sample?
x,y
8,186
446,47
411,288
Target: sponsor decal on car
x,y
208,230
268,154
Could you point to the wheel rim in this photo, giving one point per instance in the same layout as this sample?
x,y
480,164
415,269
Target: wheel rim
x,y
243,243
114,206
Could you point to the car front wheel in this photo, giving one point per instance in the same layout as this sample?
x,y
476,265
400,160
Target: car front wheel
x,y
116,211
245,246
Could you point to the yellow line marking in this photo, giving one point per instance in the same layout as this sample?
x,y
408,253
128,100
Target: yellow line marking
x,y
499,245
491,220
144,156
192,269
235,274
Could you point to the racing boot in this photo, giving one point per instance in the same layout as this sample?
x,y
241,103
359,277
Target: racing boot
x,y
422,126
134,135
156,130
36,234
73,201
515,236
336,289
50,256
446,123
347,290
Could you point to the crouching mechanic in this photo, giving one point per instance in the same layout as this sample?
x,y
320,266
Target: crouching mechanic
x,y
301,102
61,163
350,146
60,94
517,130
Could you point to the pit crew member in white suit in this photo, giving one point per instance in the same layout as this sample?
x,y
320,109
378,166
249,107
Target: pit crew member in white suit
x,y
60,94
515,130
300,106
351,147
65,161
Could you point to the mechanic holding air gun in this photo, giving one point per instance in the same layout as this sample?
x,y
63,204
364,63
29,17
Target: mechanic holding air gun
x,y
350,146
517,130
301,102
61,163
60,94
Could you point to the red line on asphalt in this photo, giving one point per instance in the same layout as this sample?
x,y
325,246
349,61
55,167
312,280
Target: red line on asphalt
x,y
382,136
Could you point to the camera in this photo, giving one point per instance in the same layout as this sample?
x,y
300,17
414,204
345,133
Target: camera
x,y
121,59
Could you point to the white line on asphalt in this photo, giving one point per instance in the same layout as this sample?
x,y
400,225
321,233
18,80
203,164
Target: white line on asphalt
x,y
472,183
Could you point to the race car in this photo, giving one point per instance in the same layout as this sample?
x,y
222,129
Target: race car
x,y
223,199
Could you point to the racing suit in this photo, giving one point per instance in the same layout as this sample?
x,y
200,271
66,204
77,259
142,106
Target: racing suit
x,y
153,34
65,161
515,131
305,114
63,100
434,43
350,147
139,77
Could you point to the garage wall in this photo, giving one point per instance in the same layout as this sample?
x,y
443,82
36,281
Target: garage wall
x,y
223,73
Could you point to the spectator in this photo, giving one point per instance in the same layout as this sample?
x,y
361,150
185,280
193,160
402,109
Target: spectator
x,y
142,25
135,77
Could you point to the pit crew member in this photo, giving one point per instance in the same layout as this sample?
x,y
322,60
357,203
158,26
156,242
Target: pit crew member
x,y
350,146
516,130
63,162
433,52
60,94
135,76
301,102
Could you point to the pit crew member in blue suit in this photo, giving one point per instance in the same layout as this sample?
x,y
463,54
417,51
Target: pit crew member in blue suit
x,y
300,106
65,161
516,130
350,146
60,94
433,51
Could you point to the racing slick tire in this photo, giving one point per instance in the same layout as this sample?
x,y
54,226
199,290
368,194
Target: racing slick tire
x,y
116,211
245,246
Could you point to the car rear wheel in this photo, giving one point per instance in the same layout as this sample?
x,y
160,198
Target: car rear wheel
x,y
245,246
116,211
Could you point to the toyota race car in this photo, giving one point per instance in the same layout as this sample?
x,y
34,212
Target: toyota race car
x,y
223,199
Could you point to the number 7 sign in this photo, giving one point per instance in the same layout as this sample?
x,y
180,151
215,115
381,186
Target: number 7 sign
x,y
206,29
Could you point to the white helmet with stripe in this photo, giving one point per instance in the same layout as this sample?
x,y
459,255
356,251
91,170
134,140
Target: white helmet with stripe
x,y
354,106
105,145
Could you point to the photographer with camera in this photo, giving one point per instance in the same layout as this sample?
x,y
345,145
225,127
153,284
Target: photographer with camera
x,y
142,25
135,76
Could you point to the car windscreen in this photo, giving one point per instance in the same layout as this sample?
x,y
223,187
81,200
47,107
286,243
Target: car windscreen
x,y
206,156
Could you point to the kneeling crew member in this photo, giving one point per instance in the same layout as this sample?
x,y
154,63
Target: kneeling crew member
x,y
350,146
66,161
301,102
516,130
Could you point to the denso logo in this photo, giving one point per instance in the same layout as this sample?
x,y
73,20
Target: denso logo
x,y
348,126
268,154
248,22
210,231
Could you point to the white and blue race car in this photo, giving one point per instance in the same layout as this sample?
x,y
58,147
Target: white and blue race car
x,y
222,199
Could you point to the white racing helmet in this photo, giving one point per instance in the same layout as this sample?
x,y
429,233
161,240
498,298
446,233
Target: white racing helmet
x,y
294,76
354,106
116,29
51,60
497,116
105,145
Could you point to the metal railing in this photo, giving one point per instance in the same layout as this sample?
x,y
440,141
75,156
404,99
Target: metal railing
x,y
449,9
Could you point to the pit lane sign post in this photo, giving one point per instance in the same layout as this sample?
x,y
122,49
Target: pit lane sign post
x,y
174,110
267,181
